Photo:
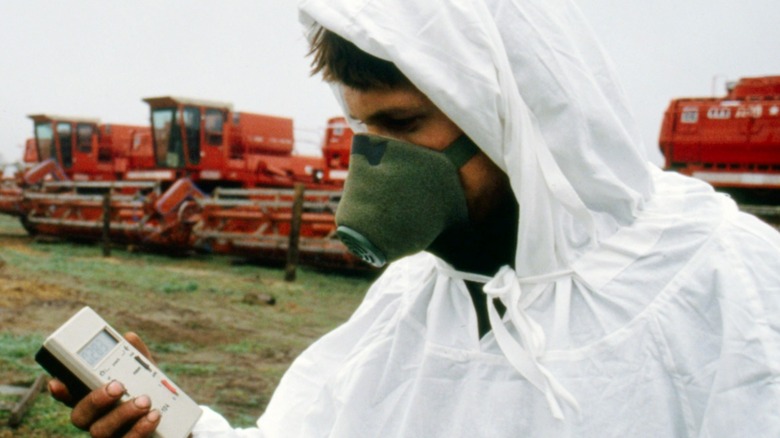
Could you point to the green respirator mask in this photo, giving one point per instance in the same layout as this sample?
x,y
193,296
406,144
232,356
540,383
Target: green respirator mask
x,y
399,197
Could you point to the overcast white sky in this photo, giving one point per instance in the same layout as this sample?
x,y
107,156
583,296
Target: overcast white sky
x,y
97,58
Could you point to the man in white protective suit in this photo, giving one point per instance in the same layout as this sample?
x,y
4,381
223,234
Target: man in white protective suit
x,y
546,281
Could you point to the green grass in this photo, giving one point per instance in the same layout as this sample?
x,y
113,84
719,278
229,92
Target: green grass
x,y
176,370
191,312
45,416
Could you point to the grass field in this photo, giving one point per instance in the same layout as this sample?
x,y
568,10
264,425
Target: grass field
x,y
199,314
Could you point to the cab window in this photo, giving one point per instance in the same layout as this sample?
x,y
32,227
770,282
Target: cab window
x,y
191,122
84,137
214,125
64,135
44,137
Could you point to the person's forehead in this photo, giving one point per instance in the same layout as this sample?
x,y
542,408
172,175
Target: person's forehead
x,y
395,101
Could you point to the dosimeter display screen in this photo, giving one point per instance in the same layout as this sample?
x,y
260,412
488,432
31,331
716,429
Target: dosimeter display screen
x,y
98,347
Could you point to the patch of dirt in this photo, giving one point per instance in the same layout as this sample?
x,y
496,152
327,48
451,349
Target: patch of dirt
x,y
179,326
18,292
33,305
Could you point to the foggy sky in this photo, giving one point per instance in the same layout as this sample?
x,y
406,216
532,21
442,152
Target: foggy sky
x,y
93,58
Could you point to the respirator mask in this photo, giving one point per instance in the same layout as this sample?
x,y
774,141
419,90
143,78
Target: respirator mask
x,y
399,197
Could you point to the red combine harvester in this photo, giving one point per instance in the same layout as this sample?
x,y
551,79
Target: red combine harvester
x,y
246,163
732,142
82,165
87,150
12,180
74,149
152,191
215,146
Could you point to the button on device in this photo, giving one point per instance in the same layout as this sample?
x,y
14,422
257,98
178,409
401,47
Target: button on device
x,y
169,386
143,364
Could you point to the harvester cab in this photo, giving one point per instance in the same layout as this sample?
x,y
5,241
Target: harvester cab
x,y
215,146
87,150
66,140
183,130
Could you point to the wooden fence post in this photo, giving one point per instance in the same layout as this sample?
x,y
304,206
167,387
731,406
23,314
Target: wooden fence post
x,y
107,224
295,232
18,411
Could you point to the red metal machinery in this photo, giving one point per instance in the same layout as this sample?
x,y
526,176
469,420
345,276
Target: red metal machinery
x,y
10,191
245,160
31,171
256,222
215,146
336,148
733,142
11,180
131,212
30,157
75,148
80,161
87,150
246,163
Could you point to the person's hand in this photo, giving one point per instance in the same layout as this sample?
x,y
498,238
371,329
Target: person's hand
x,y
100,412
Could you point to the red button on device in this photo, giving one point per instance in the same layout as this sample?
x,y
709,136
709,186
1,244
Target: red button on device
x,y
169,386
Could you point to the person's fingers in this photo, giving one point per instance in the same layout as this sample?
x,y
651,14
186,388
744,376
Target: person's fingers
x,y
95,404
139,344
60,392
132,418
145,426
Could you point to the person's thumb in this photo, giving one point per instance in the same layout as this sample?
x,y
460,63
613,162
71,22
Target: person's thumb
x,y
136,342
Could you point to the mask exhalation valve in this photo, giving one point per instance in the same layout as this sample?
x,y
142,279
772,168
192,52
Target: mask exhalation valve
x,y
361,247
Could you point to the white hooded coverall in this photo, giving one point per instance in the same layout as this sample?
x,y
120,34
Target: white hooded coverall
x,y
643,304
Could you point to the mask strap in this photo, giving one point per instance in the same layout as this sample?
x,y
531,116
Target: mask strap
x,y
460,151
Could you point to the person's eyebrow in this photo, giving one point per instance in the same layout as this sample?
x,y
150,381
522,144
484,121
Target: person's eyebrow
x,y
393,113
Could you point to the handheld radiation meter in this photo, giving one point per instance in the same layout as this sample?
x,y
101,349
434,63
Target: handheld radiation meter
x,y
86,353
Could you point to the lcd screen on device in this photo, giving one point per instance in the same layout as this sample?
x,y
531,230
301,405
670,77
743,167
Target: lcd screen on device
x,y
98,347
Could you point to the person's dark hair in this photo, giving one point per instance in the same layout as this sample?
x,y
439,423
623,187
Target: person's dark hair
x,y
341,61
